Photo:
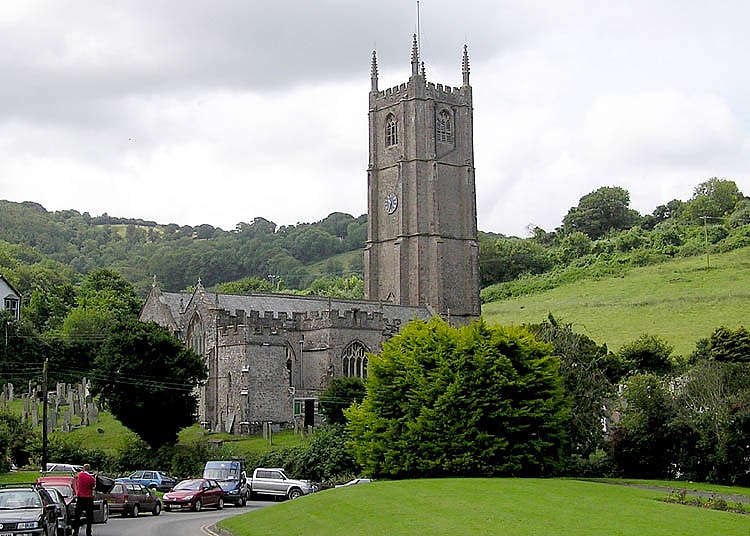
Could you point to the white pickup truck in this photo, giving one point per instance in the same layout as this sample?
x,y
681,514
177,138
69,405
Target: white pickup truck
x,y
273,481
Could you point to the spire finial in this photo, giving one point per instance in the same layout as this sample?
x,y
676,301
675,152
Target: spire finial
x,y
153,282
414,57
465,65
374,72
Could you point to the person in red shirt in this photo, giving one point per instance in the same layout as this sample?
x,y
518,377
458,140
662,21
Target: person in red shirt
x,y
85,484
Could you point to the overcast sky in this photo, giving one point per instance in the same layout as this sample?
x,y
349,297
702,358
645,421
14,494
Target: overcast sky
x,y
218,111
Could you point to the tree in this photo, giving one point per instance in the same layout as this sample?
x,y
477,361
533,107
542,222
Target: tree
x,y
246,285
588,373
341,393
643,443
146,378
648,353
713,199
600,211
470,401
730,345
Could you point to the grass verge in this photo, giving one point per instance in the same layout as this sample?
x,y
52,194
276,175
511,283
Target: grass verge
x,y
487,507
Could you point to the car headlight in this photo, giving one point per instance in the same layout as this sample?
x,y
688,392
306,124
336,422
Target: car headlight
x,y
188,498
28,524
233,491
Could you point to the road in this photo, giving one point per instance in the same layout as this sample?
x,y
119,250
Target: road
x,y
171,523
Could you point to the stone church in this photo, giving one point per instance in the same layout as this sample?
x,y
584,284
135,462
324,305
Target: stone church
x,y
270,356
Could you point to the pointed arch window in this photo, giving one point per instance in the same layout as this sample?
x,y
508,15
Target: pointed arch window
x,y
444,127
196,337
354,360
391,131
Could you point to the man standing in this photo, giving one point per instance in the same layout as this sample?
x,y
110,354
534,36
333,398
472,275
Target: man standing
x,y
85,483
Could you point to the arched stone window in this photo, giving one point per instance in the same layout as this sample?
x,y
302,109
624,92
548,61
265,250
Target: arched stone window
x,y
391,131
444,127
196,336
354,360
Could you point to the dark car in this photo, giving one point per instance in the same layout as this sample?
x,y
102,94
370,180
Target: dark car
x,y
27,510
131,498
66,485
158,480
64,518
194,494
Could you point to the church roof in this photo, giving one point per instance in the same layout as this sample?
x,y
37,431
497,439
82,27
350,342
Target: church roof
x,y
289,304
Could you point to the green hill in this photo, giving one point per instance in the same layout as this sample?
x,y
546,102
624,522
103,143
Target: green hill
x,y
681,301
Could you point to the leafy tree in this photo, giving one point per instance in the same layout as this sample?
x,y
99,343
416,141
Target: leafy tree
x,y
504,259
600,211
730,345
713,199
643,444
15,438
146,378
713,417
471,401
588,373
246,285
341,393
352,287
647,354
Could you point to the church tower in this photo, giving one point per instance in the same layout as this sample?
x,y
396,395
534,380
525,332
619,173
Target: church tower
x,y
422,247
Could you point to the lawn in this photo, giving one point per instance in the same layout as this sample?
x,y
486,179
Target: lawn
x,y
680,301
476,507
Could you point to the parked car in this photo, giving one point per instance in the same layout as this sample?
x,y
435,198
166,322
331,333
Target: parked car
x,y
66,484
231,476
158,480
131,498
62,468
27,510
274,482
194,494
64,519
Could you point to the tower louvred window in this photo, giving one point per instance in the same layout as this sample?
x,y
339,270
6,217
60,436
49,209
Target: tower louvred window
x,y
444,127
391,131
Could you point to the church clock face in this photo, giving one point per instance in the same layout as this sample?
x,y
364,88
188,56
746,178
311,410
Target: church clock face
x,y
391,203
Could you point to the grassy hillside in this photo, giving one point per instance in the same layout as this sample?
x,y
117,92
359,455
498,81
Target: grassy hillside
x,y
681,301
517,507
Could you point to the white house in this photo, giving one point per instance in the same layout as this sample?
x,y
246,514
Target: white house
x,y
10,300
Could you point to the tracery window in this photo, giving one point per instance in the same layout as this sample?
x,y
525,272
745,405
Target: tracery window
x,y
444,127
196,338
354,360
391,131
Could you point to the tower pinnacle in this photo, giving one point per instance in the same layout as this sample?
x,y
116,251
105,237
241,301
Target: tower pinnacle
x,y
465,65
414,57
374,73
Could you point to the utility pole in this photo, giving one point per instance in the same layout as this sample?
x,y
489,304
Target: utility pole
x,y
705,234
44,416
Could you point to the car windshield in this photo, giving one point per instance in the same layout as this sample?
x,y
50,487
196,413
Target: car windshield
x,y
11,499
218,473
189,484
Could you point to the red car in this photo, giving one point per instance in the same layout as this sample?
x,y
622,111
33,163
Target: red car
x,y
66,484
194,494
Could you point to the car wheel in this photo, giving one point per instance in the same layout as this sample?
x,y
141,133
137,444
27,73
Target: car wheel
x,y
135,511
152,486
295,493
157,509
198,505
243,501
105,517
220,505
